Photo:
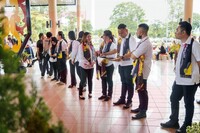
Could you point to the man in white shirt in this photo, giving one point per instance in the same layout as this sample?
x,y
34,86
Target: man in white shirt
x,y
128,43
46,47
143,50
187,78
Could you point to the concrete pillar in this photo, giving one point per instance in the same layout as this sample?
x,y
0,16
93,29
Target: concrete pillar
x,y
188,10
53,16
78,16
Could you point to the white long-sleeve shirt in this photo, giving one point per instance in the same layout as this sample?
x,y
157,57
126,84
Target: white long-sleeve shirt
x,y
83,62
74,53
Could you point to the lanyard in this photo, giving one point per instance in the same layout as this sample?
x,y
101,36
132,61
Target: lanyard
x,y
140,43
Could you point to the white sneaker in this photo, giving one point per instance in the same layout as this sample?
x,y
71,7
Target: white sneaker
x,y
49,76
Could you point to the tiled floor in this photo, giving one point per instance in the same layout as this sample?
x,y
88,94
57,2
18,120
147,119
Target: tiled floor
x,y
95,116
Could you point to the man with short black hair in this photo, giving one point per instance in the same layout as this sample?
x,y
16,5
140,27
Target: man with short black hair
x,y
46,63
142,55
40,50
128,43
187,78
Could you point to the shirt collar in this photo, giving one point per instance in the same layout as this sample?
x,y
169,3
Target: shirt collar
x,y
145,38
188,41
127,36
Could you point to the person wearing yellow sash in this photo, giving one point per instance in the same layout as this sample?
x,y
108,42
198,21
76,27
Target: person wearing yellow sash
x,y
107,51
61,59
72,52
128,43
186,79
87,58
142,55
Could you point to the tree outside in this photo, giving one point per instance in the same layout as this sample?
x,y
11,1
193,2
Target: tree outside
x,y
175,14
196,23
157,29
86,25
128,13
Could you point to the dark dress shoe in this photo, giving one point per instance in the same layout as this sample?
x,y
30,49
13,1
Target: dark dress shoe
x,y
107,98
89,95
127,105
102,97
198,101
170,124
53,79
119,102
135,110
140,115
70,86
182,129
81,97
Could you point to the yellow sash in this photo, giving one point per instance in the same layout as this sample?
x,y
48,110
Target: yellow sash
x,y
60,55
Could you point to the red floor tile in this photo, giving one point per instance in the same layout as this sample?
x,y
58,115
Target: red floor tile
x,y
96,116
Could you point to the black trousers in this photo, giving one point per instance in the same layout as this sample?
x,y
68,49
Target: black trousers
x,y
55,69
143,97
62,68
107,82
171,55
72,73
127,82
86,73
188,92
46,66
40,61
63,75
78,70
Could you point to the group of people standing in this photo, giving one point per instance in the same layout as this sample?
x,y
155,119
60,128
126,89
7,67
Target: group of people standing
x,y
134,65
52,53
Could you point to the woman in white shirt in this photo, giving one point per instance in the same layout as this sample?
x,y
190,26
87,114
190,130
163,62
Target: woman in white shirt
x,y
72,52
107,51
61,60
53,58
86,54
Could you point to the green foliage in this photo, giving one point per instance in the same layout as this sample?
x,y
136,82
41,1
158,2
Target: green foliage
x,y
1,25
39,16
175,14
175,10
72,20
194,128
9,59
196,21
98,32
21,111
157,29
86,26
128,13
